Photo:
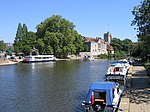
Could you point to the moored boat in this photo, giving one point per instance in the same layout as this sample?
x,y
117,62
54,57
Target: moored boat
x,y
116,71
38,58
101,96
90,58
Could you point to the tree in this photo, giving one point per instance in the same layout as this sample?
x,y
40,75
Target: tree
x,y
2,45
122,47
59,37
24,31
24,40
142,22
127,45
116,43
19,33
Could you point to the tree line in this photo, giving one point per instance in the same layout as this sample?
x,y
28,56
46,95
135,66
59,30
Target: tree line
x,y
55,35
142,22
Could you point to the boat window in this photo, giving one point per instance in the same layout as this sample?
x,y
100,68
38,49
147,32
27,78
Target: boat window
x,y
99,95
100,98
121,69
117,68
37,57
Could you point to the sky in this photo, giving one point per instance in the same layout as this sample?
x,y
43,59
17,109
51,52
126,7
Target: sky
x,y
92,18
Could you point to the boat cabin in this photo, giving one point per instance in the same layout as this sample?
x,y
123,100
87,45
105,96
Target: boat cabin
x,y
102,95
116,71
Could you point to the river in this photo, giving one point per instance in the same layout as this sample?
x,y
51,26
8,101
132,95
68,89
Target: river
x,y
59,86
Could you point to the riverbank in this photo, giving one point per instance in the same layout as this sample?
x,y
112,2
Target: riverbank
x,y
137,93
11,62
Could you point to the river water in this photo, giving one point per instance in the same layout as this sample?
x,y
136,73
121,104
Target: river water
x,y
59,86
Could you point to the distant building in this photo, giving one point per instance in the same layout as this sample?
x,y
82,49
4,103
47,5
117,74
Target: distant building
x,y
107,37
97,46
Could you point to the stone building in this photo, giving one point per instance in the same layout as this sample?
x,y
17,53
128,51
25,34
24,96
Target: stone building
x,y
97,46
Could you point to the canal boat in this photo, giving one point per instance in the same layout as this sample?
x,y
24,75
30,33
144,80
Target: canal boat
x,y
38,58
117,71
102,96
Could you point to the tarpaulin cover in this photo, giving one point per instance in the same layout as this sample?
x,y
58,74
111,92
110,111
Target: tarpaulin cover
x,y
102,86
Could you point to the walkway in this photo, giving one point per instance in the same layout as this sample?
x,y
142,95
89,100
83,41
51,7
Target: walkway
x,y
140,90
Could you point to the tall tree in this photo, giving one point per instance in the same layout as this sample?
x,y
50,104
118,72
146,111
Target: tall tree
x,y
19,33
24,40
142,22
127,45
24,31
2,45
59,36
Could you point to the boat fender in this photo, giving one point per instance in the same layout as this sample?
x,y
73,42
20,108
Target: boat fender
x,y
115,71
92,98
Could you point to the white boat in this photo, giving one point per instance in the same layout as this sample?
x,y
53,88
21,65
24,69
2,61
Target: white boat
x,y
125,62
103,96
38,58
116,71
90,58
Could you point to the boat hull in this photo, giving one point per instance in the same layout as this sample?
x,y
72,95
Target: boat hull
x,y
37,61
114,77
38,58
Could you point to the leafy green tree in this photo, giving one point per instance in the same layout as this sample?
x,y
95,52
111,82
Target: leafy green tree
x,y
24,31
117,44
127,45
142,22
59,36
122,47
24,40
40,46
2,45
19,33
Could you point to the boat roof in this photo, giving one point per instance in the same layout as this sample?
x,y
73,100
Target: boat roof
x,y
102,86
39,56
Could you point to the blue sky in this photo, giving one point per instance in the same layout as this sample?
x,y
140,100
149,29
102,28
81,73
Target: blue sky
x,y
92,17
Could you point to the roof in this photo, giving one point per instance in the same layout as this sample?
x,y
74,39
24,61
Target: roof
x,y
89,39
102,85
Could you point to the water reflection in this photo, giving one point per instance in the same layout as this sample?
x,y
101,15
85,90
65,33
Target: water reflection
x,y
48,87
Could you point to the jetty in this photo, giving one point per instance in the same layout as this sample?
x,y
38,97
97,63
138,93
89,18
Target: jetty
x,y
137,93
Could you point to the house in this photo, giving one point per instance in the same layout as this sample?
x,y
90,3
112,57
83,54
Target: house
x,y
97,46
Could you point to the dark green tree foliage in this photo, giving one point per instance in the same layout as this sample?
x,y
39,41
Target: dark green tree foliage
x,y
116,43
127,45
24,40
2,45
122,48
24,31
142,22
19,33
57,36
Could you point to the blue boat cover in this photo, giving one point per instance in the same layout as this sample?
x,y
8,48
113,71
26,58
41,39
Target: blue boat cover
x,y
102,86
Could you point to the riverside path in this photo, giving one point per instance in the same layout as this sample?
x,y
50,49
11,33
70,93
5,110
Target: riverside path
x,y
140,90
